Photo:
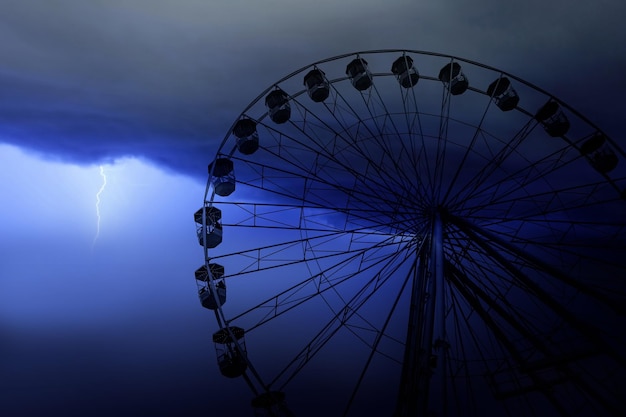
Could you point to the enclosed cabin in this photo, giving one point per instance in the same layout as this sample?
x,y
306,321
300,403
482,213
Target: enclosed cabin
x,y
212,288
222,174
212,234
360,76
277,103
270,404
231,351
503,94
247,136
317,86
453,78
405,72
553,119
600,155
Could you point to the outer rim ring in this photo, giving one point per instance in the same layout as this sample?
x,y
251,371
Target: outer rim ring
x,y
224,143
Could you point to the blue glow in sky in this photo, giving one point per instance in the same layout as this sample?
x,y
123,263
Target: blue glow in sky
x,y
53,222
78,322
100,319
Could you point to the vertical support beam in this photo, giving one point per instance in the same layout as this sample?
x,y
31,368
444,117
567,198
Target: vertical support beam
x,y
413,390
439,340
437,261
426,328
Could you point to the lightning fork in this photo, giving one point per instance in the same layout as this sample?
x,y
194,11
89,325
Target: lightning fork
x,y
104,183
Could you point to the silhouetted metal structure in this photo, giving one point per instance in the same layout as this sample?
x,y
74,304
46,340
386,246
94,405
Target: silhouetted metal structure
x,y
278,106
211,287
359,74
209,226
454,257
553,118
405,71
317,86
231,351
599,153
222,172
453,78
503,94
247,136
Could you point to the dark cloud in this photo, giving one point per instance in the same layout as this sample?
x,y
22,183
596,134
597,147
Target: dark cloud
x,y
87,82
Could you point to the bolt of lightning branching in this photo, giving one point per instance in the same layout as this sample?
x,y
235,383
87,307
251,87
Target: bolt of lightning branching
x,y
104,183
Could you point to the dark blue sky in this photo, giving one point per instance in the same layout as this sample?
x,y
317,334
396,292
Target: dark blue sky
x,y
147,89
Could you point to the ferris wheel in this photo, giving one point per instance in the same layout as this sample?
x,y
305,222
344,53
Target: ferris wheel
x,y
400,232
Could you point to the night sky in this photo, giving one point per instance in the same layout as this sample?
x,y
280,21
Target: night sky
x,y
100,317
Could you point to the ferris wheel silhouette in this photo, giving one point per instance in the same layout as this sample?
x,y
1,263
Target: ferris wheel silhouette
x,y
420,226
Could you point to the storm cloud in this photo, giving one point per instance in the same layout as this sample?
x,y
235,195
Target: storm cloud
x,y
94,81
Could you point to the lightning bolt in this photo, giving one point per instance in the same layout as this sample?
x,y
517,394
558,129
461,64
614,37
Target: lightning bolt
x,y
104,183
